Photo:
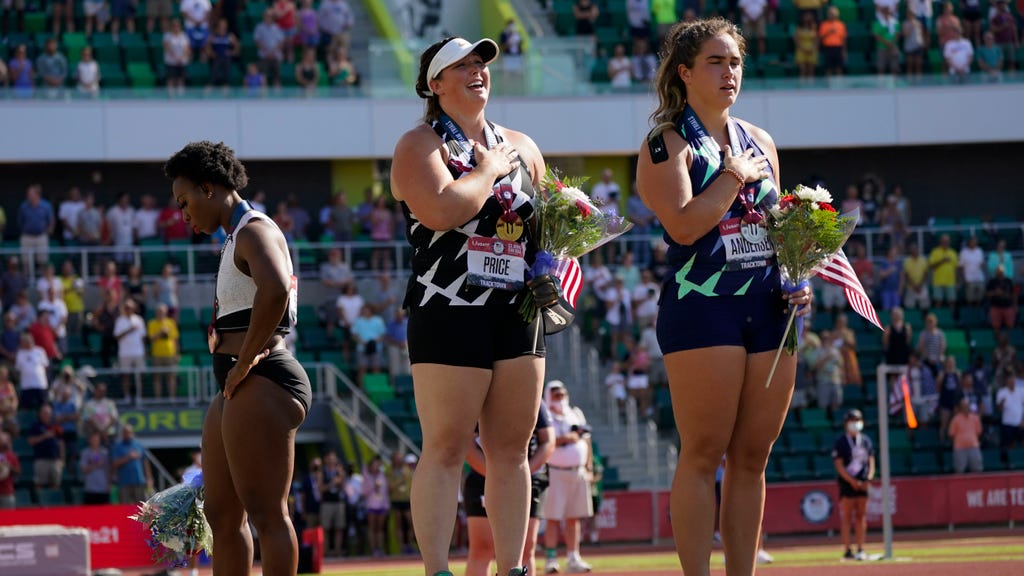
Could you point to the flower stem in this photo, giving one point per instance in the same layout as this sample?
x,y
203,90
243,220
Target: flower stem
x,y
778,353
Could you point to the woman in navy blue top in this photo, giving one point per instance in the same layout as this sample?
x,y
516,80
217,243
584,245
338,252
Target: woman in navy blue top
x,y
710,178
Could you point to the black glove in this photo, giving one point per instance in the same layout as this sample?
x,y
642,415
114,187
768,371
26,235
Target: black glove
x,y
556,312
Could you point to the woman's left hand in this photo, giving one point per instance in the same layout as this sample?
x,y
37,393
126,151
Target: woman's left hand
x,y
239,372
801,298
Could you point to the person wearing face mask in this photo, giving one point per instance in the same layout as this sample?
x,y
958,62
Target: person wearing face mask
x,y
854,457
570,468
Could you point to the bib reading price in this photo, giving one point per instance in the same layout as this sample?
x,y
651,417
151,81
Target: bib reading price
x,y
496,263
746,245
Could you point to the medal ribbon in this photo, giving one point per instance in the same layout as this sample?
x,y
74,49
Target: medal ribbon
x,y
708,148
502,189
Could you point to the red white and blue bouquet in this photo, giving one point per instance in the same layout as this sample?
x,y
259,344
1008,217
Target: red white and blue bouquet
x,y
177,527
568,225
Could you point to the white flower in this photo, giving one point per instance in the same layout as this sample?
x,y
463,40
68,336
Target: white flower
x,y
173,542
574,194
816,194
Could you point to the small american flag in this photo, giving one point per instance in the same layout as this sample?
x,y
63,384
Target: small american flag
x,y
571,277
839,272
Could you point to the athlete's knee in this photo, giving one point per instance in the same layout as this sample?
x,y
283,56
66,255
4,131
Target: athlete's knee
x,y
223,519
702,454
445,450
749,455
267,518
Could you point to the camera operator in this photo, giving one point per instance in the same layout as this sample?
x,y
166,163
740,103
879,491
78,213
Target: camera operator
x,y
570,468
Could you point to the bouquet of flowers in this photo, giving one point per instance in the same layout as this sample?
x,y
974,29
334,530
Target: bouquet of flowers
x,y
807,233
568,225
174,517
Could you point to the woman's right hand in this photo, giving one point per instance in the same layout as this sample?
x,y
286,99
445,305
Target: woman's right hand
x,y
751,168
501,159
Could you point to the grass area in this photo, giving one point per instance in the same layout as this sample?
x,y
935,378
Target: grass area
x,y
924,552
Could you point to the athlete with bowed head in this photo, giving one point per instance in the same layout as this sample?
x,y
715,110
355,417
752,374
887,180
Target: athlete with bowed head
x,y
466,187
709,179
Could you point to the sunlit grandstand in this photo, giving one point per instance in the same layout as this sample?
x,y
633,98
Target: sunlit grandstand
x,y
909,112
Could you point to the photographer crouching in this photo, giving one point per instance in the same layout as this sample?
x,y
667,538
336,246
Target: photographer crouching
x,y
570,469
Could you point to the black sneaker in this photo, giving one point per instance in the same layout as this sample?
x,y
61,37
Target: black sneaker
x,y
518,571
848,555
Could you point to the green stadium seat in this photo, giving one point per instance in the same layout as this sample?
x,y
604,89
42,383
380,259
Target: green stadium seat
x,y
973,317
305,357
378,388
403,384
899,465
853,395
924,462
50,496
795,468
992,460
926,439
814,419
899,440
800,442
189,318
141,76
823,466
112,76
197,74
135,48
35,22
1015,459
599,71
307,315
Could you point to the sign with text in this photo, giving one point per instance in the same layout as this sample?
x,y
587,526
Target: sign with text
x,y
165,420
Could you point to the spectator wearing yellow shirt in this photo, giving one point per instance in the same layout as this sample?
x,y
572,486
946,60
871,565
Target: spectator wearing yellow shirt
x,y
73,288
163,338
915,279
943,263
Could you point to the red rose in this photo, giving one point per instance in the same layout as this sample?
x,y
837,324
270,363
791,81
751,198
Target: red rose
x,y
583,208
826,207
558,185
787,201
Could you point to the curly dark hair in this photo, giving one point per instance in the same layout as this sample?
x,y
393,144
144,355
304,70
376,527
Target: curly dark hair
x,y
206,161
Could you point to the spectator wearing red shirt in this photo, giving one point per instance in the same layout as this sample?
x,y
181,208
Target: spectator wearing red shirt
x,y
1003,25
44,336
110,282
171,224
10,468
284,16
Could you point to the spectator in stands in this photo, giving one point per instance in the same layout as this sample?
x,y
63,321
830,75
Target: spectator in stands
x,y
845,339
122,10
854,457
989,57
826,363
255,82
197,22
889,276
348,306
103,320
66,415
665,16
94,464
886,29
308,27
171,224
58,317
340,218
307,72
177,55
947,24
914,44
396,341
948,381
23,76
382,229
8,403
129,462
511,43
971,13
144,222
31,364
1002,297
96,15
382,295
336,20
52,66
638,14
618,313
399,476
158,11
755,22
570,468
340,68
259,201
915,279
67,214
620,68
364,210
643,226
47,450
943,263
163,341
3,84
335,274
12,282
958,54
931,344
645,296
1000,257
972,269
10,339
36,223
897,340
284,221
1010,404
300,217
10,469
892,220
331,487
585,12
45,336
47,280
23,311
923,11
136,289
378,507
1003,25
164,290
368,331
284,13
68,380
638,381
90,222
121,222
355,511
832,36
309,496
130,332
99,414
645,64
605,193
805,41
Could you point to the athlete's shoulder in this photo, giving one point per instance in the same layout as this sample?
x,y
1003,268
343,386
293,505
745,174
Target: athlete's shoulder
x,y
756,132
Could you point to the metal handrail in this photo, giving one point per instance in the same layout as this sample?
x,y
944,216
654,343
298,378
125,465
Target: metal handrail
x,y
352,411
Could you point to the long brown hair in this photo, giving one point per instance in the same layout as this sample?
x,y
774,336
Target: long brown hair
x,y
682,44
433,111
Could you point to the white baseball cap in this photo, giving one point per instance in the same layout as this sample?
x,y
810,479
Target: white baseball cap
x,y
457,49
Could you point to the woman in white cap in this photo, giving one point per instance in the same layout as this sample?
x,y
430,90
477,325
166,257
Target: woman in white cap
x,y
466,186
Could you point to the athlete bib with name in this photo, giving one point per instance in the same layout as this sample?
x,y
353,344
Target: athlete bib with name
x,y
496,263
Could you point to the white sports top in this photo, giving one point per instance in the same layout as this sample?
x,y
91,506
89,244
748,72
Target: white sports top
x,y
236,290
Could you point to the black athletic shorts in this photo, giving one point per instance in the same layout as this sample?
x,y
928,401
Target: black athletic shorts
x,y
471,336
473,496
846,490
280,367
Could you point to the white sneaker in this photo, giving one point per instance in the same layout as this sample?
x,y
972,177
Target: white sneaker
x,y
862,555
717,536
577,566
552,567
763,557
